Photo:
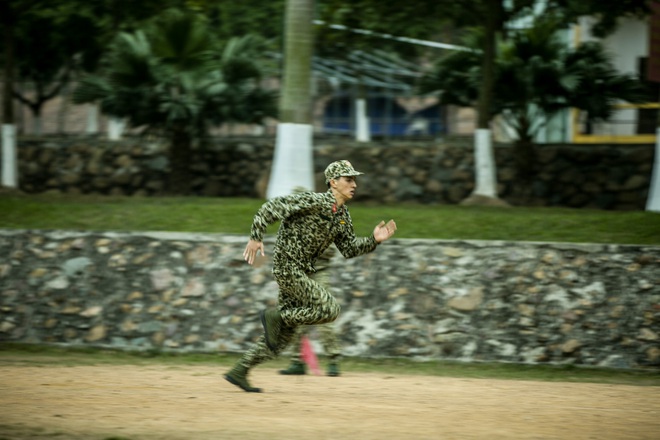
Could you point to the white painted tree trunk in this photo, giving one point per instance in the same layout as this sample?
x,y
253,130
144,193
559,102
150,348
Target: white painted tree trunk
x,y
92,125
653,201
293,162
484,162
362,132
115,128
9,161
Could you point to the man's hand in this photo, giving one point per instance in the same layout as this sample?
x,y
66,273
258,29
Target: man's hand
x,y
251,250
384,231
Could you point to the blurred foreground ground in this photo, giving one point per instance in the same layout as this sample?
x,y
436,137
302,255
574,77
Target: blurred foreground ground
x,y
195,403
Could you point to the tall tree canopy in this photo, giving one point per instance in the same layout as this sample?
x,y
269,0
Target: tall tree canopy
x,y
51,45
536,75
229,18
172,77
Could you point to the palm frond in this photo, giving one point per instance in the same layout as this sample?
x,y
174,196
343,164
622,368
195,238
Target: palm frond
x,y
171,76
131,62
91,88
181,39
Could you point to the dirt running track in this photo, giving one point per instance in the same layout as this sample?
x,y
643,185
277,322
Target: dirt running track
x,y
195,403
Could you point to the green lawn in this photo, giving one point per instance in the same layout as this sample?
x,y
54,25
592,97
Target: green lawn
x,y
234,215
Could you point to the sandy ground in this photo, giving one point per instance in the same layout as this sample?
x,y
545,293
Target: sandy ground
x,y
196,403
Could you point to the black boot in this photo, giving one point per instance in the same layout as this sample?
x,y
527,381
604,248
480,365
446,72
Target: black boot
x,y
238,376
296,368
272,322
333,369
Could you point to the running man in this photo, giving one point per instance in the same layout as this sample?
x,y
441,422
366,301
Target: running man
x,y
310,222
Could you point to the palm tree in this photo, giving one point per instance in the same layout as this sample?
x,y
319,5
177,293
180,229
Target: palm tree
x,y
172,78
545,77
536,76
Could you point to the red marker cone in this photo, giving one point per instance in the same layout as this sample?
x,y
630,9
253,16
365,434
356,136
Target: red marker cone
x,y
308,355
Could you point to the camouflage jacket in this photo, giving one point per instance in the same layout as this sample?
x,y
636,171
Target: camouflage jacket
x,y
310,223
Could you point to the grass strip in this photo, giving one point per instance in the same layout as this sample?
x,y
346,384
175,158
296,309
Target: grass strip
x,y
234,216
47,356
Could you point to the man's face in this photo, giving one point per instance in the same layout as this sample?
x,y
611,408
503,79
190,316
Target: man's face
x,y
345,186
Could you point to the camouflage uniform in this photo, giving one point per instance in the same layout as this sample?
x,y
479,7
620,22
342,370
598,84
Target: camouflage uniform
x,y
310,222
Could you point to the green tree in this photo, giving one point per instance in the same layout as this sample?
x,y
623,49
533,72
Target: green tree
x,y
112,17
174,79
52,41
11,17
424,19
536,75
229,18
49,53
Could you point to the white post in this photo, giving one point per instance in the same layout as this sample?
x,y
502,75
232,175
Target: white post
x,y
115,128
9,162
653,201
293,164
92,126
362,132
484,164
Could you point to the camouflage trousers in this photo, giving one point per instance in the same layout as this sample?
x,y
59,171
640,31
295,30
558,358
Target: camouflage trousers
x,y
326,332
327,336
302,301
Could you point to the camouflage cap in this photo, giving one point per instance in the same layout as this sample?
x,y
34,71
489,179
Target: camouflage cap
x,y
338,169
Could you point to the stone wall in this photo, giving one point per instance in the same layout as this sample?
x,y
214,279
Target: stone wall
x,y
605,177
468,300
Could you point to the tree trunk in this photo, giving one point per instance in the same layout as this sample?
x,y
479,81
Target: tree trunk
x,y
293,164
484,104
179,158
64,108
524,152
36,121
9,156
485,191
524,156
524,160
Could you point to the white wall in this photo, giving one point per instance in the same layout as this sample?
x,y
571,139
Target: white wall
x,y
625,46
628,44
